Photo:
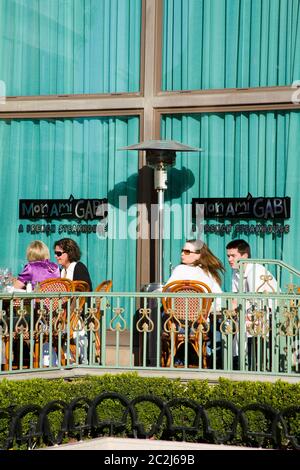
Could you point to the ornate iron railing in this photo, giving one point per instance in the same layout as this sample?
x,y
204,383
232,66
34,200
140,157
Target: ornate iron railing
x,y
30,426
131,331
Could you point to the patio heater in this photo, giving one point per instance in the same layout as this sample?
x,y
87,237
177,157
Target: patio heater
x,y
160,155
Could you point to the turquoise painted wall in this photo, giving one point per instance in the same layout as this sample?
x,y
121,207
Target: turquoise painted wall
x,y
52,159
230,43
70,46
254,152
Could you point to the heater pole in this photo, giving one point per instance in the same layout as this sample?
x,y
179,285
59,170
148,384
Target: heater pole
x,y
160,199
160,155
160,184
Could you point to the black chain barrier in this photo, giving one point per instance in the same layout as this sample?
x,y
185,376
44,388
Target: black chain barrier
x,y
29,426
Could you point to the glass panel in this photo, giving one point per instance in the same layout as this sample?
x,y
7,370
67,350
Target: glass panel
x,y
53,159
52,47
230,44
253,152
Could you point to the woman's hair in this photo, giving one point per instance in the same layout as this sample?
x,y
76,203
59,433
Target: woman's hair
x,y
207,261
70,247
37,251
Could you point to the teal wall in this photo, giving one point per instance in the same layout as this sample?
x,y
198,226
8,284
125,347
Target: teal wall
x,y
254,152
230,43
94,46
52,159
70,46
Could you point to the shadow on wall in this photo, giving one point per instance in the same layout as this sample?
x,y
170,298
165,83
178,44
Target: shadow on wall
x,y
179,181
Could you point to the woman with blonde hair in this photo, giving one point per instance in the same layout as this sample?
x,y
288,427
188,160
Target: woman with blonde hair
x,y
39,266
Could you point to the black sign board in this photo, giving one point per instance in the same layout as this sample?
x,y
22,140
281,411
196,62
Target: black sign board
x,y
83,209
263,208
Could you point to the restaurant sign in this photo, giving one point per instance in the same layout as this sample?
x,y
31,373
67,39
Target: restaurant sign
x,y
83,209
263,208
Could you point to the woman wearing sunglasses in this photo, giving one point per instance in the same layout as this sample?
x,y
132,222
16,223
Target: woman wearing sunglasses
x,y
198,263
67,254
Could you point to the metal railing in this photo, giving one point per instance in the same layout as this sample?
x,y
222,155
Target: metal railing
x,y
29,426
287,277
131,331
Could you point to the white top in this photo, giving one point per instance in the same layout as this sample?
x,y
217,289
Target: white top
x,y
69,272
184,272
253,279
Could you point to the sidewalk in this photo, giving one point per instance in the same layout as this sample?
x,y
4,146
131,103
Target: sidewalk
x,y
115,443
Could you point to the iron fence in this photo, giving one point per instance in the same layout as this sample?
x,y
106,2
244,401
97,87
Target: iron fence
x,y
30,426
132,331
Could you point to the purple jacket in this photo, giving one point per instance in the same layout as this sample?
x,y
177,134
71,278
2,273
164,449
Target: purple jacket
x,y
37,271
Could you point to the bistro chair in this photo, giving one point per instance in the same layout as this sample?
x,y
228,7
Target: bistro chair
x,y
104,286
77,304
55,285
80,286
41,320
59,319
175,310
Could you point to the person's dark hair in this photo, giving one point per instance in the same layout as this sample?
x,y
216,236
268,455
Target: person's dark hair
x,y
208,261
70,247
241,245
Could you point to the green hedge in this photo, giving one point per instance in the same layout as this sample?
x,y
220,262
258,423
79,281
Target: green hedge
x,y
278,395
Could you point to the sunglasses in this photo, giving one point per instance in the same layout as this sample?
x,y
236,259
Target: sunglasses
x,y
188,252
59,253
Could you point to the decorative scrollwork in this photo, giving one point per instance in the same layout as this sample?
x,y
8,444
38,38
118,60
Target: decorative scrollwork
x,y
266,278
291,288
60,321
276,431
201,325
229,324
21,325
93,323
257,324
290,327
41,325
145,324
172,324
118,320
77,320
3,324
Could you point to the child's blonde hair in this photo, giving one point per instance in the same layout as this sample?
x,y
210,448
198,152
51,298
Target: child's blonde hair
x,y
37,251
